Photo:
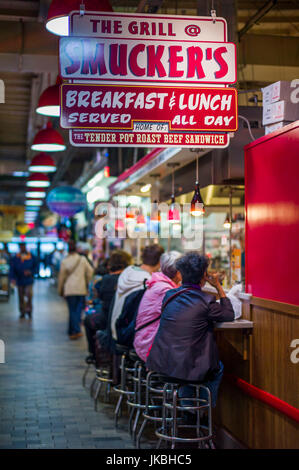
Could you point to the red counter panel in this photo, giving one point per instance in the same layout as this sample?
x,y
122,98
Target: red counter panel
x,y
272,215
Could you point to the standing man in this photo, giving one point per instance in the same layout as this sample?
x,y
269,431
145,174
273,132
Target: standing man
x,y
23,269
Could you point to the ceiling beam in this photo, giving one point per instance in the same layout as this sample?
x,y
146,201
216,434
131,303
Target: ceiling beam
x,y
19,5
34,63
257,17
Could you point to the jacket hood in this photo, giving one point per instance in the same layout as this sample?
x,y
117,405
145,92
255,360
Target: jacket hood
x,y
131,278
160,277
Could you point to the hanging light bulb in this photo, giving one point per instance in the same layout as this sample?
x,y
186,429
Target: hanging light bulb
x,y
197,206
38,180
58,14
42,163
130,214
155,215
227,223
173,215
49,100
140,221
48,140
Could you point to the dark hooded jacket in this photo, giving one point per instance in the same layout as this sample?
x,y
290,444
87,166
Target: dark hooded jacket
x,y
184,346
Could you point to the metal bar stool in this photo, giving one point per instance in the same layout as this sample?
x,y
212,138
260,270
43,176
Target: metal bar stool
x,y
136,401
172,405
153,411
103,377
125,386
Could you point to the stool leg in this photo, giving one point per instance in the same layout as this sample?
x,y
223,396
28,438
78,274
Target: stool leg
x,y
197,413
159,444
174,411
138,438
132,411
117,410
85,374
138,412
98,389
92,386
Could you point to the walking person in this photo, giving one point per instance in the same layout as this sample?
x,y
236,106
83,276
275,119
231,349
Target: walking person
x,y
22,270
74,276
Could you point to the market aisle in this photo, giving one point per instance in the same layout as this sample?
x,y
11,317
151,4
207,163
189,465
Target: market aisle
x,y
42,402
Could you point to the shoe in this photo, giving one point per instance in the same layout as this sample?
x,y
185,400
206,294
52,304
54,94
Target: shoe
x,y
21,316
29,315
76,335
90,359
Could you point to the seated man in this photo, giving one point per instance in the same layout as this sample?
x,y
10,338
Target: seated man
x,y
184,346
106,288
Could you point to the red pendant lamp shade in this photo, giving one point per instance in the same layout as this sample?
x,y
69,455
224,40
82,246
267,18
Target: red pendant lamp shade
x,y
38,180
48,140
58,22
34,193
42,163
49,104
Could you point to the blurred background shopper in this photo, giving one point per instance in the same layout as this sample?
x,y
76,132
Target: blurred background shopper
x,y
74,276
23,269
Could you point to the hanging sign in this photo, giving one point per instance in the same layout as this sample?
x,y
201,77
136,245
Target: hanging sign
x,y
148,109
149,73
148,60
140,26
91,138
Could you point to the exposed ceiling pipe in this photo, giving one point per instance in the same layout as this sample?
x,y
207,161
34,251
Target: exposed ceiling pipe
x,y
256,17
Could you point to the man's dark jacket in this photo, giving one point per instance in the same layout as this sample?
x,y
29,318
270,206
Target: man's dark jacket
x,y
21,263
184,346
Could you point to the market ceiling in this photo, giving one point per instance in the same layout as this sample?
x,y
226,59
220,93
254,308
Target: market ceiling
x,y
267,51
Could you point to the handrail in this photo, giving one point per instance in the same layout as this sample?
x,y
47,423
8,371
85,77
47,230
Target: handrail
x,y
265,397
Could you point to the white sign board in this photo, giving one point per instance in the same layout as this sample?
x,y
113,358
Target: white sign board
x,y
145,61
142,26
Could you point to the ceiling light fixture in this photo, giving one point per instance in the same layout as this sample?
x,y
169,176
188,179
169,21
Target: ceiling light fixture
x,y
42,163
146,188
38,180
48,140
49,100
173,216
33,202
58,13
36,193
197,205
227,223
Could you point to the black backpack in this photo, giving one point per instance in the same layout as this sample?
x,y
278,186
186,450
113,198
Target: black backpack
x,y
125,324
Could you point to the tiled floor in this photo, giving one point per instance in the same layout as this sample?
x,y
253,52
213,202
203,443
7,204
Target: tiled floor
x,y
42,401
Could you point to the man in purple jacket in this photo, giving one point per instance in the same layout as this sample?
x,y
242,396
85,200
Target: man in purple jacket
x,y
184,346
22,270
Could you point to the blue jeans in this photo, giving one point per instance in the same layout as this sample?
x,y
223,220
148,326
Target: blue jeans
x,y
75,304
213,384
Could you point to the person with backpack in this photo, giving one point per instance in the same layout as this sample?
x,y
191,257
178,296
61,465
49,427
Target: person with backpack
x,y
184,347
118,261
73,280
149,311
132,279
